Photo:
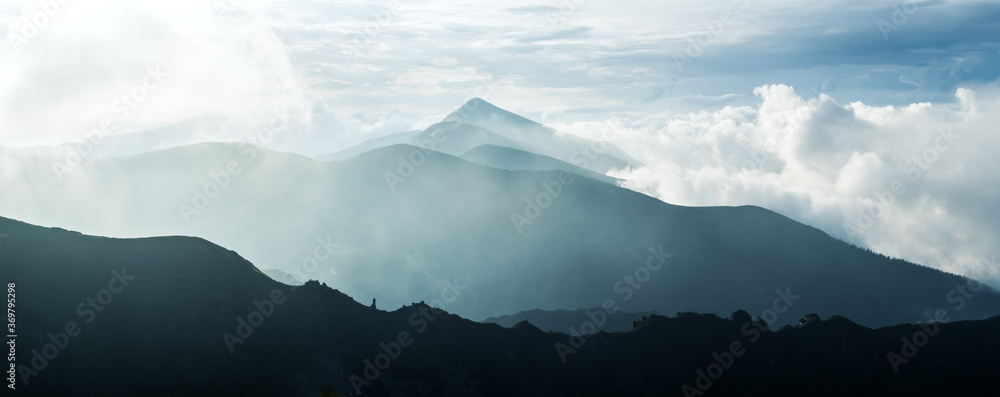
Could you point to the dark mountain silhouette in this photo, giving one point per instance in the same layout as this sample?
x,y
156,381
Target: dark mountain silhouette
x,y
507,158
565,320
380,226
170,306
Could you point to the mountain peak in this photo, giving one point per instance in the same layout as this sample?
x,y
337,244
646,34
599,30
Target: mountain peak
x,y
480,104
476,102
484,114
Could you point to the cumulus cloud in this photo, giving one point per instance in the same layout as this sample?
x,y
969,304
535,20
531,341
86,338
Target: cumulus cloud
x,y
69,66
915,182
368,60
867,110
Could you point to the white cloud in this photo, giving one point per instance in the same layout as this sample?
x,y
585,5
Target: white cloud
x,y
831,165
730,119
67,77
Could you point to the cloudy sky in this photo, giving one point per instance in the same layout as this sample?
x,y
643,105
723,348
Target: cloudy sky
x,y
872,120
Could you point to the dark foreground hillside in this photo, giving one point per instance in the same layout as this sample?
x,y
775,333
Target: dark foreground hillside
x,y
181,316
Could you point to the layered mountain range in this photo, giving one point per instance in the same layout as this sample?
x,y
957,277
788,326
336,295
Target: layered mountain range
x,y
512,214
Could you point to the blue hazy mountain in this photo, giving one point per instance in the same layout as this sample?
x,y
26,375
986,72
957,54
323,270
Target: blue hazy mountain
x,y
507,158
197,129
402,224
478,122
374,143
457,138
552,143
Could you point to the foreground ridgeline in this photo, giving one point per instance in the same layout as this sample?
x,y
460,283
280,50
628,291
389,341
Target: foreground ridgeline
x,y
182,316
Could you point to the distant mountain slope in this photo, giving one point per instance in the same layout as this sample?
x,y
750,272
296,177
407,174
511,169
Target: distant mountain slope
x,y
507,158
374,143
198,129
457,138
282,277
566,320
566,147
163,316
400,224
478,122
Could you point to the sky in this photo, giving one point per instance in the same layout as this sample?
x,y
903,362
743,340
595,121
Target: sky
x,y
812,109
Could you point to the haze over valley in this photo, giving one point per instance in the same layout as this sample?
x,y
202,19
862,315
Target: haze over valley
x,y
426,198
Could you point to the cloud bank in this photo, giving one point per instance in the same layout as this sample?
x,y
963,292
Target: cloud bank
x,y
916,182
889,96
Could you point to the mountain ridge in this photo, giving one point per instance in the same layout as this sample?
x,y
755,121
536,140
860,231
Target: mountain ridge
x,y
495,125
182,327
381,226
508,158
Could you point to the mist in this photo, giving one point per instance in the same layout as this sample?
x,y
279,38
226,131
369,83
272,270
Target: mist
x,y
649,193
